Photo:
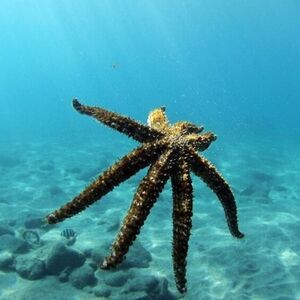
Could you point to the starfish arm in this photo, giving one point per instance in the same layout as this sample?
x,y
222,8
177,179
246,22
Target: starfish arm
x,y
182,220
209,174
108,180
123,124
145,197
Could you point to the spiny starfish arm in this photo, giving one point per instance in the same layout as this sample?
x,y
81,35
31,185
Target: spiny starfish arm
x,y
209,174
182,220
141,133
145,197
108,180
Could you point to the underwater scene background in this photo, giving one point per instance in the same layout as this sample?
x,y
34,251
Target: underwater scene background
x,y
232,66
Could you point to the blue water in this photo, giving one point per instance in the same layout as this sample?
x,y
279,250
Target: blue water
x,y
233,66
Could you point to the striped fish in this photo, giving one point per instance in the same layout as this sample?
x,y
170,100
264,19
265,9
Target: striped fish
x,y
68,233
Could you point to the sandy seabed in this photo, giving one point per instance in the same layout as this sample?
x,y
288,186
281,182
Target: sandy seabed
x,y
38,176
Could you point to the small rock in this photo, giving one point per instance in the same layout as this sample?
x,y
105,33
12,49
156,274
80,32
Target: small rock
x,y
30,268
61,257
143,283
6,261
138,257
155,288
6,229
116,279
13,244
83,277
102,292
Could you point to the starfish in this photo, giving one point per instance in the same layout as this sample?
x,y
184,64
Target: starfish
x,y
171,151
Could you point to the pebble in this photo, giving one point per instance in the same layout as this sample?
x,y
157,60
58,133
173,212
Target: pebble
x,y
143,283
115,279
137,257
82,277
60,257
30,268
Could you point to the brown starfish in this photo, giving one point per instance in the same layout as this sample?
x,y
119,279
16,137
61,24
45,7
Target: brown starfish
x,y
171,152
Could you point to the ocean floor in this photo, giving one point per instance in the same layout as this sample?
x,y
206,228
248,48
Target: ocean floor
x,y
37,262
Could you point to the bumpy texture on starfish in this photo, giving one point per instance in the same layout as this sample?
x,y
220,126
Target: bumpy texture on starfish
x,y
171,152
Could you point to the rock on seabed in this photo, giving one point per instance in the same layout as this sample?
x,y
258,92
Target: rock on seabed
x,y
30,268
61,257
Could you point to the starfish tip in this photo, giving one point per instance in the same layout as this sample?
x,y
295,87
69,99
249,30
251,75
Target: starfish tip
x,y
240,235
51,219
76,104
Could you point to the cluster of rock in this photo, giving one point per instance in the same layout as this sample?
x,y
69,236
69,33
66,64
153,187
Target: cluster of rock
x,y
34,262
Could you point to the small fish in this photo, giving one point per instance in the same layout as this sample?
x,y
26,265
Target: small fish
x,y
68,233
